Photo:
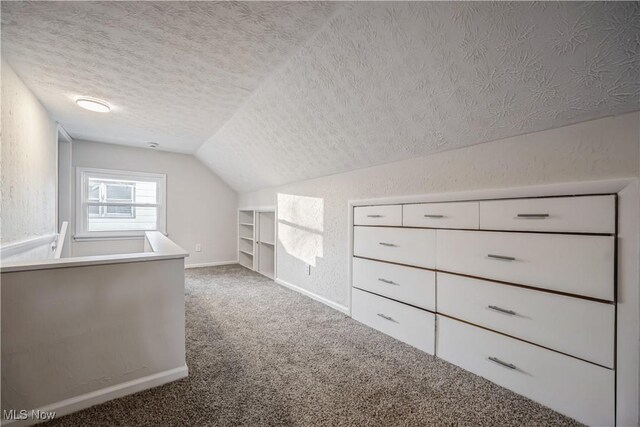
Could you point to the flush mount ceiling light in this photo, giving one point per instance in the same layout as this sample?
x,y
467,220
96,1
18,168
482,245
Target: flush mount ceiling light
x,y
153,145
93,104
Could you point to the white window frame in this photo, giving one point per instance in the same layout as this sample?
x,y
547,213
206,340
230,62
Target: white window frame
x,y
82,182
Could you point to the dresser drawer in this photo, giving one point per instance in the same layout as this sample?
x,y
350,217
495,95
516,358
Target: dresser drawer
x,y
378,215
580,214
442,215
405,323
575,326
570,386
404,246
575,264
407,284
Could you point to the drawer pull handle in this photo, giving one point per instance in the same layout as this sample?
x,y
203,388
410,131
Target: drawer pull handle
x,y
534,216
389,318
433,216
501,310
386,244
500,362
375,216
390,282
501,257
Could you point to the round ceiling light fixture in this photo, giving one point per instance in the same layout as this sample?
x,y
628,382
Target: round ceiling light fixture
x,y
92,104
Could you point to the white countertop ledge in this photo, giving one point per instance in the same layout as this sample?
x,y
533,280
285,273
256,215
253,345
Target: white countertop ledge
x,y
161,248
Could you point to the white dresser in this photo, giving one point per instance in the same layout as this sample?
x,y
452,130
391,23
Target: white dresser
x,y
519,291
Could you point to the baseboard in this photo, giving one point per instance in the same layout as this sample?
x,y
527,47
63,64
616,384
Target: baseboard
x,y
211,264
316,297
86,400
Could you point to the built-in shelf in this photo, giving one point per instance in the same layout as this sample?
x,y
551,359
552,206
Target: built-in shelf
x,y
256,240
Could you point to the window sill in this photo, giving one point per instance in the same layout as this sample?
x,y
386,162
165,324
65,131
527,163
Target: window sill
x,y
89,238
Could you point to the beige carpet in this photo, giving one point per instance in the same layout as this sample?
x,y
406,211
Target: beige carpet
x,y
259,354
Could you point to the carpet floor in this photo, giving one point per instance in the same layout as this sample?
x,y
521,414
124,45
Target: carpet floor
x,y
262,355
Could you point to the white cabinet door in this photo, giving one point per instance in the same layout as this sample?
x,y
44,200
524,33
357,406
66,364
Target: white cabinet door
x,y
414,286
378,215
405,323
442,215
575,264
402,245
581,214
579,389
575,326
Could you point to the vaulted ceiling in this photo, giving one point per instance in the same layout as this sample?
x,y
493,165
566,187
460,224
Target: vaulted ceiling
x,y
173,72
270,93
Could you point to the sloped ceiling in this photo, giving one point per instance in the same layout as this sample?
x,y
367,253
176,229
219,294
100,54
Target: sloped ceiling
x,y
388,81
271,93
173,72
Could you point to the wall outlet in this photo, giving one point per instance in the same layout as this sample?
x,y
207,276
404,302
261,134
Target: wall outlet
x,y
308,269
198,247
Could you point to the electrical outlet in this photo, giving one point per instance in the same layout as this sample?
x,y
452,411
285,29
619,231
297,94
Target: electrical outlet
x,y
198,247
308,268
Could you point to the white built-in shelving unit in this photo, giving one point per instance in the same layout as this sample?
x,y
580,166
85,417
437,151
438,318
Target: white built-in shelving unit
x,y
246,242
256,240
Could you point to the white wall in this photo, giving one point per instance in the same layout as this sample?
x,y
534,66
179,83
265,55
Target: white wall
x,y
312,215
28,165
201,208
81,330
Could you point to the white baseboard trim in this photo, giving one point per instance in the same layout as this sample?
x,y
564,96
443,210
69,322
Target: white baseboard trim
x,y
314,296
211,264
86,400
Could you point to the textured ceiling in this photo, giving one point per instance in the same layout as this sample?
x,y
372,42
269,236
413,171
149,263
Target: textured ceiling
x,y
173,71
280,92
388,81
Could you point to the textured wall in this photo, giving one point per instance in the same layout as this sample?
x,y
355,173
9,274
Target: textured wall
x,y
388,81
28,163
174,72
313,214
201,208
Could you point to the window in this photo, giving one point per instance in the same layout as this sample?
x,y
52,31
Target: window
x,y
118,203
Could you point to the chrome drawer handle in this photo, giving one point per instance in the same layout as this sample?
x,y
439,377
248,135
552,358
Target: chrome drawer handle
x,y
500,362
386,244
534,216
433,216
389,318
375,216
501,257
391,282
501,310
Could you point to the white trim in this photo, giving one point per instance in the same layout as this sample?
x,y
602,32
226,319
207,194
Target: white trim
x,y
113,236
210,264
59,244
97,397
547,190
628,308
65,135
21,246
80,220
268,208
160,246
314,296
349,254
